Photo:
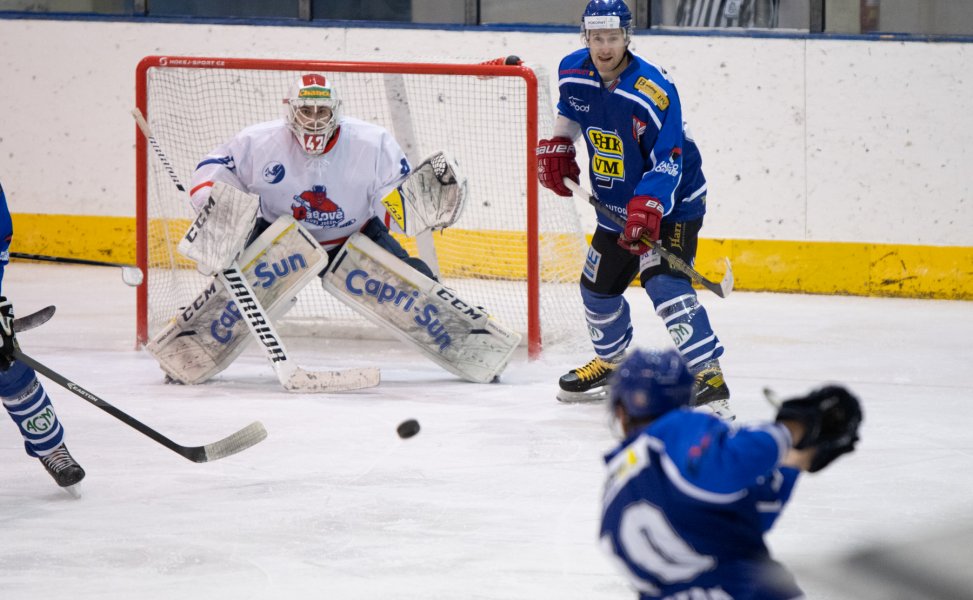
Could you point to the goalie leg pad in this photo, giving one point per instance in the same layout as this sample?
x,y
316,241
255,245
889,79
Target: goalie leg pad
x,y
462,339
378,233
206,336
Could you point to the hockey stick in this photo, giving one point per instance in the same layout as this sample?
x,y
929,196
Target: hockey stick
x,y
292,377
131,274
721,289
33,320
236,442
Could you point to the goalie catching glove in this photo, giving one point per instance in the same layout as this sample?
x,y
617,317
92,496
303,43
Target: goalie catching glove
x,y
431,199
831,417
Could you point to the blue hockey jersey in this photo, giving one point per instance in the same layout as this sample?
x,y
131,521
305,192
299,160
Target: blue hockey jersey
x,y
687,502
6,235
635,136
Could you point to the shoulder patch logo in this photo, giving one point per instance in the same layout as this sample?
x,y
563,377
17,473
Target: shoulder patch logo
x,y
273,172
653,92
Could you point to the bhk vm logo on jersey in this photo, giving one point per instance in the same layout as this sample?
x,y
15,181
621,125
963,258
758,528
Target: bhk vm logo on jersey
x,y
607,161
314,207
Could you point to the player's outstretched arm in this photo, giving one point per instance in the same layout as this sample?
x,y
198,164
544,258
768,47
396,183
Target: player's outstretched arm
x,y
825,424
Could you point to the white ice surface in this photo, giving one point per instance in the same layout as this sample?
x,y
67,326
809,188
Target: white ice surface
x,y
496,498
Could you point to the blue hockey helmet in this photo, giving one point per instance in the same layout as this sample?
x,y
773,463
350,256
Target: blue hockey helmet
x,y
607,14
650,383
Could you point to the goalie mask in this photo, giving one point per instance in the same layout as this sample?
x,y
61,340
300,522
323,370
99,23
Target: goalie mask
x,y
313,112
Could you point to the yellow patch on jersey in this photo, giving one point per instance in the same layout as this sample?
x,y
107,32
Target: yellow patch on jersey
x,y
393,204
608,166
605,142
653,92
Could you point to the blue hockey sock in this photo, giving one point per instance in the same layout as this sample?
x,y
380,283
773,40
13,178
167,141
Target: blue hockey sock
x,y
609,323
685,318
28,405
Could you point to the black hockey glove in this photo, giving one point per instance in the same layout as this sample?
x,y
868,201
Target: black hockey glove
x,y
831,416
7,339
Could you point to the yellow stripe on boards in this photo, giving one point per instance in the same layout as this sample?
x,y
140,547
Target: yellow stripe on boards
x,y
847,268
111,239
843,268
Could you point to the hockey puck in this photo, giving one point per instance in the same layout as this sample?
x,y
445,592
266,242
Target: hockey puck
x,y
513,60
407,428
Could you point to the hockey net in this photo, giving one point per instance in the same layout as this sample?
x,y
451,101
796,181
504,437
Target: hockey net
x,y
517,250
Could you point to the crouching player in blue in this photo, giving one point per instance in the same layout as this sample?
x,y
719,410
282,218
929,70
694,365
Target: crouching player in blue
x,y
646,168
22,394
688,498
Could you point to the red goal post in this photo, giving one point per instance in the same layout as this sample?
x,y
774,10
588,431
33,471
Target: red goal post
x,y
517,249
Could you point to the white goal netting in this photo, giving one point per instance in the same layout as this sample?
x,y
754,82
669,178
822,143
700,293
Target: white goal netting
x,y
483,121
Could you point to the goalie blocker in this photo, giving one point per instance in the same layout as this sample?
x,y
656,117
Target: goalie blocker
x,y
459,337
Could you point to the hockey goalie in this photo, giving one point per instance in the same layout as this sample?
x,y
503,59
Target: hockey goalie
x,y
284,199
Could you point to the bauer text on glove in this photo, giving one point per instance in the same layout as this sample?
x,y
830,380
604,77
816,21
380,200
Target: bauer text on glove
x,y
555,161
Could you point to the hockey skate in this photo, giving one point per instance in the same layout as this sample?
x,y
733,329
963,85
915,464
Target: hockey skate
x,y
63,468
712,394
588,383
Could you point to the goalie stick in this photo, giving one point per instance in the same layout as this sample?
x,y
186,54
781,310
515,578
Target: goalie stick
x,y
292,377
35,319
721,289
236,442
131,274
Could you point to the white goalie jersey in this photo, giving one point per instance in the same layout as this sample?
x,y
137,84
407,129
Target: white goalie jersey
x,y
332,195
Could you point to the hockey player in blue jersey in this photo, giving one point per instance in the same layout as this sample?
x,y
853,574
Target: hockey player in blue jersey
x,y
22,394
646,168
688,497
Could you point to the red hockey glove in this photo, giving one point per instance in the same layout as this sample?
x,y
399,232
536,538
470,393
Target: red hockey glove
x,y
555,161
644,219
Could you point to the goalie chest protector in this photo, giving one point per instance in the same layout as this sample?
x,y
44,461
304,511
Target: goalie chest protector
x,y
453,333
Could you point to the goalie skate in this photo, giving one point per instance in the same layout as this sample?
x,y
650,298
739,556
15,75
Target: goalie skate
x,y
588,383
